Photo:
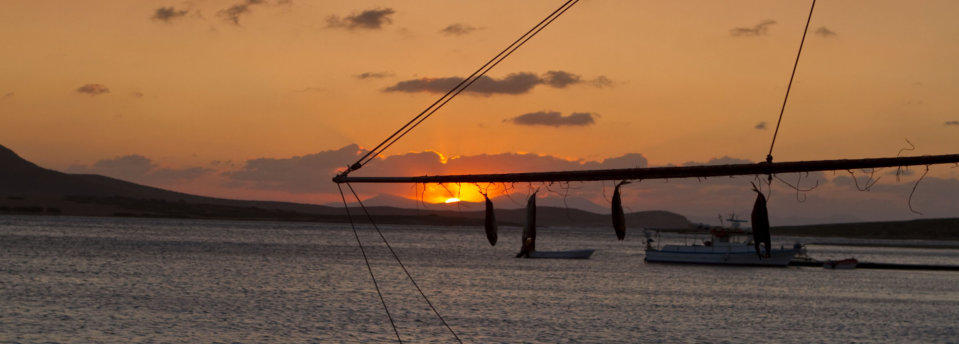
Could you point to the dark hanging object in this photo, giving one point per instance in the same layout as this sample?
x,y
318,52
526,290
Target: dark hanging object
x,y
490,222
760,219
529,231
619,218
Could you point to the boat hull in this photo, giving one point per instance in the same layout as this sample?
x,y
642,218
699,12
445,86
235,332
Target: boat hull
x,y
776,258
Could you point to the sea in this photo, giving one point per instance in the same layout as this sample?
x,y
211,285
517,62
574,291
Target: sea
x,y
135,280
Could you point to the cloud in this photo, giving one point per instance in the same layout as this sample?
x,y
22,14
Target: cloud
x,y
373,19
601,82
311,90
233,13
560,79
834,200
514,83
168,14
125,167
310,173
171,175
951,123
93,89
554,119
299,174
458,29
140,169
725,160
903,172
825,32
760,126
756,30
373,75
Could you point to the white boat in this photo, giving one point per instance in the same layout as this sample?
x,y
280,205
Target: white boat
x,y
727,246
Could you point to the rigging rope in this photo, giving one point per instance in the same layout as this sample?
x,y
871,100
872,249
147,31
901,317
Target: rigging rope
x,y
368,267
395,256
456,90
769,156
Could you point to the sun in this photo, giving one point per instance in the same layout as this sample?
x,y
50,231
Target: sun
x,y
452,193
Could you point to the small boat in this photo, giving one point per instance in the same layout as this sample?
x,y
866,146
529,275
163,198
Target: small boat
x,y
725,247
528,248
573,254
848,263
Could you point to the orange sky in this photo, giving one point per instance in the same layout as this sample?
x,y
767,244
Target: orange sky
x,y
198,88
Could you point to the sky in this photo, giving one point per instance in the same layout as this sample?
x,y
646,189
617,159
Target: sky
x,y
265,99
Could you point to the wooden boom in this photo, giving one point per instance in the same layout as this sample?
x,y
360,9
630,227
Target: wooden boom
x,y
671,172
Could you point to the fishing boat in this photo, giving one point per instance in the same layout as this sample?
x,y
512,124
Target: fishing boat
x,y
726,246
528,244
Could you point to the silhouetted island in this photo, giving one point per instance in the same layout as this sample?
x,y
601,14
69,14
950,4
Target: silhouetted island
x,y
26,188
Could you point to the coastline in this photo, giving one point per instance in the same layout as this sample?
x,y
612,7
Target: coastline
x,y
861,237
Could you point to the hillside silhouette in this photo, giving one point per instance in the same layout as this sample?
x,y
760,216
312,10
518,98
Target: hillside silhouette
x,y
26,188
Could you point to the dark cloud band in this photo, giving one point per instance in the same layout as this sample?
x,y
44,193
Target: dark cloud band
x,y
825,32
458,29
515,83
233,13
373,19
756,30
168,14
93,89
373,75
554,119
140,169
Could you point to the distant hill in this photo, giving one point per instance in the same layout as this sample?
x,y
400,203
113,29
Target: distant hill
x,y
26,188
23,185
21,177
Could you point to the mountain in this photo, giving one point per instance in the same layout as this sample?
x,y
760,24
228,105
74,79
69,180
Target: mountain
x,y
28,188
572,202
21,177
386,200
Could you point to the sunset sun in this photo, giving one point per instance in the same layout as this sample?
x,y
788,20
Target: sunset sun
x,y
452,200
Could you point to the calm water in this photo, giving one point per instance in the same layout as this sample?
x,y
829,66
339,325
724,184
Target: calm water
x,y
85,280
